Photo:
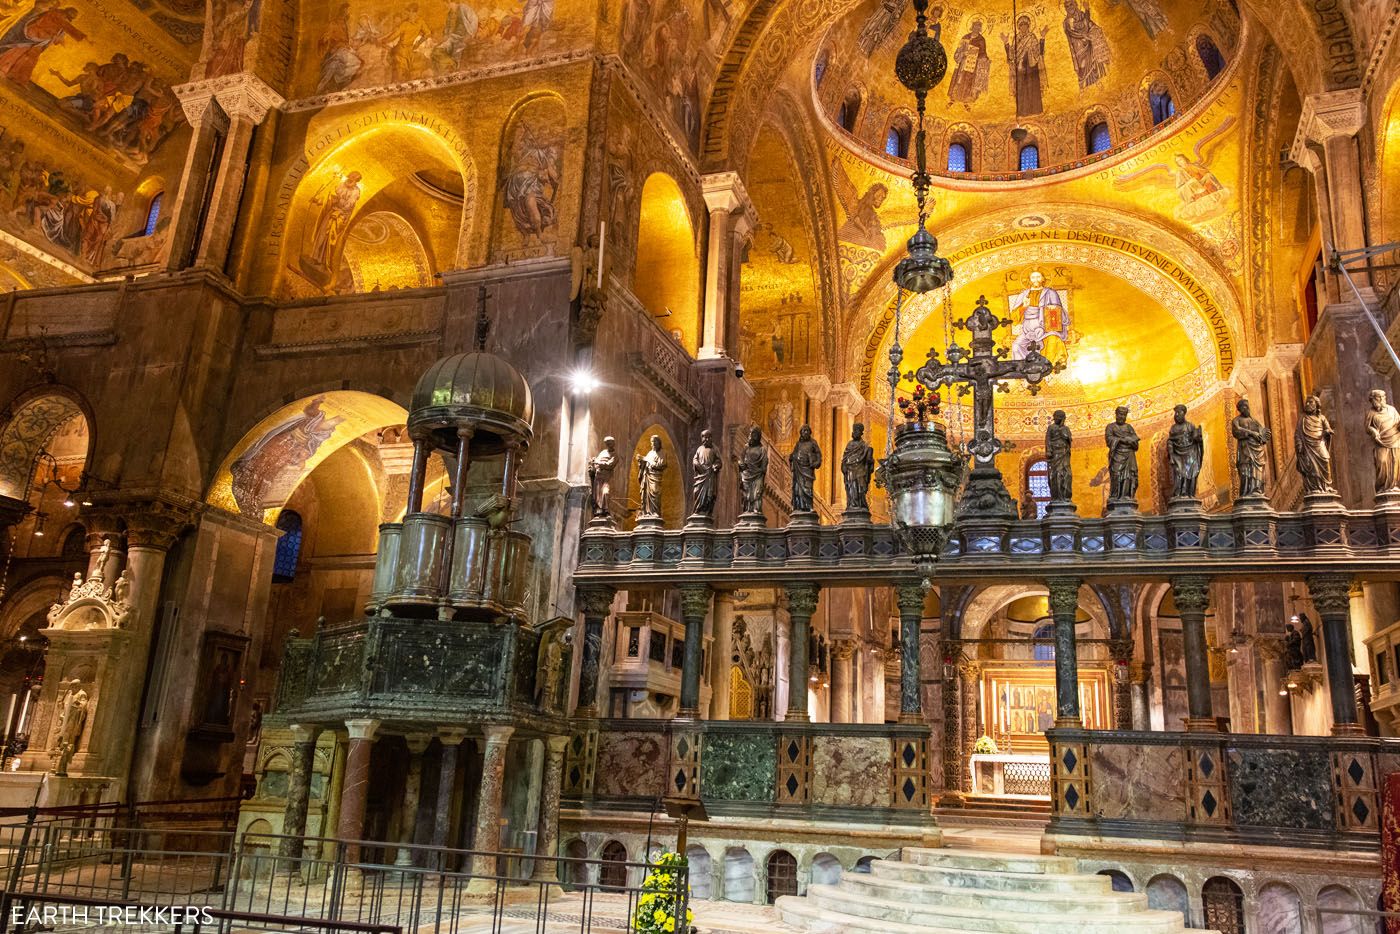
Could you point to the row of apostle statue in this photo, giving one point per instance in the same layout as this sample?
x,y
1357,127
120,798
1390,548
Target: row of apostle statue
x,y
1185,456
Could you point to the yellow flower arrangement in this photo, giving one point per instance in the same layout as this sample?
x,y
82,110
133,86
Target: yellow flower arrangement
x,y
663,892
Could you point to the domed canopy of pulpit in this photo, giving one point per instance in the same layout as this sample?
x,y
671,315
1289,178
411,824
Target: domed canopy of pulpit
x,y
478,390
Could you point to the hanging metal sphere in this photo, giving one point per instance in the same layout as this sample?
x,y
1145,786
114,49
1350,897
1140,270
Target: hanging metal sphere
x,y
921,63
923,270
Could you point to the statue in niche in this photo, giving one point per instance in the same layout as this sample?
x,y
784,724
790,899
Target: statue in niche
x,y
753,472
1122,440
548,668
1186,450
705,484
600,473
650,467
1292,648
1383,425
72,718
1308,639
1312,447
1251,441
805,460
857,467
1059,440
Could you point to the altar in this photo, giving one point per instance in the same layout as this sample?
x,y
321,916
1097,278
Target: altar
x,y
1011,775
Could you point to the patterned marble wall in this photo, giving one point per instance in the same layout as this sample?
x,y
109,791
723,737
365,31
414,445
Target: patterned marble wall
x,y
1139,782
738,767
630,764
851,771
1282,788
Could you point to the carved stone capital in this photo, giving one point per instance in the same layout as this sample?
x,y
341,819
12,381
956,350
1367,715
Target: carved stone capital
x,y
910,599
725,192
801,600
847,398
1333,113
242,96
1064,596
1192,594
816,388
843,649
1330,593
595,601
1121,650
362,729
695,602
1270,647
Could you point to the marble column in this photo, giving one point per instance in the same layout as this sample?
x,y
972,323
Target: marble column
x,y
595,604
721,655
547,835
417,476
952,723
1140,683
298,791
695,606
354,793
910,599
1064,610
412,794
443,823
731,216
330,826
1192,594
971,723
487,839
1278,711
802,603
1121,651
842,681
1330,594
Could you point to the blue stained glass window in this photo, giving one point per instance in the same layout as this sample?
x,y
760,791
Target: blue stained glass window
x,y
1210,55
1030,157
1038,480
153,213
1163,107
1044,653
957,157
284,563
1100,140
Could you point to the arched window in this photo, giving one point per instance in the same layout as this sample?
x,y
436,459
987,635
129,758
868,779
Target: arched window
x,y
849,112
612,874
153,213
959,156
1159,100
1038,485
1223,903
897,138
1043,652
782,875
1097,137
284,563
1210,55
823,60
1030,157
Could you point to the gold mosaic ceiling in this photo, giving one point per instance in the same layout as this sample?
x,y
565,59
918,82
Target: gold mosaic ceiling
x,y
1081,61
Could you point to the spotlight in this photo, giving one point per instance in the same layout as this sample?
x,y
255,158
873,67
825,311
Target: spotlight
x,y
86,501
1283,692
68,502
582,382
39,520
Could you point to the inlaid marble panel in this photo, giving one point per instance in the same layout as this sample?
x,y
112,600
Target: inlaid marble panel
x,y
1139,782
630,765
736,767
851,771
1281,788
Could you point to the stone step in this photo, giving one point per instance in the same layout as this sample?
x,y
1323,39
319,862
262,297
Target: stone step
x,y
1108,903
800,913
974,918
998,880
986,860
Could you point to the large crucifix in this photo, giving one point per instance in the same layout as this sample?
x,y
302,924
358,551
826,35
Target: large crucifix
x,y
986,369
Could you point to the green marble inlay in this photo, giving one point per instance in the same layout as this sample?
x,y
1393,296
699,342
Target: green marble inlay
x,y
735,767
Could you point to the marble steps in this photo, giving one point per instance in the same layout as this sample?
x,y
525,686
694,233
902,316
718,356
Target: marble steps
x,y
1110,905
992,879
989,860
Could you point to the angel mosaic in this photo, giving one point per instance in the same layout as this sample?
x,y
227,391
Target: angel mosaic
x,y
1203,195
863,226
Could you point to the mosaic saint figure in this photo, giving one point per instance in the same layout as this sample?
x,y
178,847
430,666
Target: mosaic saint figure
x,y
1383,425
1088,46
458,31
403,40
339,63
857,466
753,473
600,474
805,460
1251,443
1312,447
1201,193
1041,312
333,222
23,43
1149,13
863,226
283,451
532,183
650,467
1122,441
1186,451
1025,53
881,23
1059,442
706,465
782,420
972,67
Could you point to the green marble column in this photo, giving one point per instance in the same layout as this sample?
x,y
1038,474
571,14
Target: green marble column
x,y
1192,595
910,598
802,603
1064,609
1331,595
695,606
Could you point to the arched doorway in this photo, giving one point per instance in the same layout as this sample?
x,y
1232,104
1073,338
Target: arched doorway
x,y
667,277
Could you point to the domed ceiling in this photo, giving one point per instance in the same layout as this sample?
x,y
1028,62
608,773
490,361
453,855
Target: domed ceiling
x,y
1049,69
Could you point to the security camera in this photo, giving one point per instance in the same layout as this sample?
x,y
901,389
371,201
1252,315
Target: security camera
x,y
739,370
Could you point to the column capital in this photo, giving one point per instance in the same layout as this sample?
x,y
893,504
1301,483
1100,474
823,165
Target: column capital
x,y
556,745
1330,114
452,737
695,601
843,649
816,388
802,600
1269,647
362,729
1064,595
418,742
725,191
847,398
497,734
1191,593
1330,593
595,601
910,598
241,96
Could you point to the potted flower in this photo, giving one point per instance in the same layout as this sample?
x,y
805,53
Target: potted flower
x,y
665,892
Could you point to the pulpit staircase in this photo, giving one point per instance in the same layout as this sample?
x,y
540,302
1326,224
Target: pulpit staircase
x,y
942,891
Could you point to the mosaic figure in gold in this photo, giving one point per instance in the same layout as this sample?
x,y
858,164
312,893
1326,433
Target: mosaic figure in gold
x,y
972,68
532,182
46,26
1025,53
1203,195
1088,46
863,226
1039,312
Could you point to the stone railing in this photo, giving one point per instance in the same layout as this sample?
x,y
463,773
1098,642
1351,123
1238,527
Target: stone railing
x,y
1243,544
1303,791
839,772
